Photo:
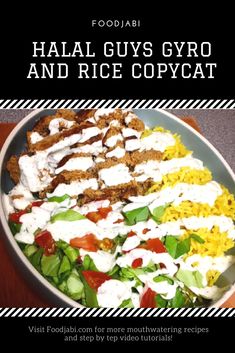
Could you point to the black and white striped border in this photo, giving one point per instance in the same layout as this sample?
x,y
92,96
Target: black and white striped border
x,y
117,103
106,312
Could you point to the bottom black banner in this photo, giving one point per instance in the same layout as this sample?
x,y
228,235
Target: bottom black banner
x,y
37,332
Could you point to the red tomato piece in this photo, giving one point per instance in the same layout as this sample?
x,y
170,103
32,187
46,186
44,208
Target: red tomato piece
x,y
15,217
88,242
137,263
131,234
145,230
95,278
155,245
148,299
118,221
44,240
37,203
98,215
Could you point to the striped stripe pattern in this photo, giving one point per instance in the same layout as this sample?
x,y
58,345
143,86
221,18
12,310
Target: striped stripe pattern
x,y
118,103
107,312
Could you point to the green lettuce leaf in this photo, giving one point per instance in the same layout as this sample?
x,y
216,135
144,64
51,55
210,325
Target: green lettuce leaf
x,y
190,278
137,215
58,198
69,215
50,265
158,212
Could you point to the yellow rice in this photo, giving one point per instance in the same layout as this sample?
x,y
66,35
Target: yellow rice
x,y
176,151
224,205
212,276
184,175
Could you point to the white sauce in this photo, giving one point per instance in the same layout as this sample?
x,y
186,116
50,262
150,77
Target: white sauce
x,y
158,141
103,260
112,293
118,152
74,188
157,169
35,172
95,148
38,218
77,163
111,141
118,174
7,204
130,117
132,145
127,132
99,160
131,243
164,288
206,193
35,137
147,257
93,206
22,202
55,124
89,132
103,112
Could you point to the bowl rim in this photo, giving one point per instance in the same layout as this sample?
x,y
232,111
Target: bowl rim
x,y
56,292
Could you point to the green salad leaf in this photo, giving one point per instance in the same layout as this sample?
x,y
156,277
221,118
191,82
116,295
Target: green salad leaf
x,y
127,303
35,259
69,216
90,294
163,278
190,278
29,250
14,227
161,302
75,287
137,215
175,247
50,265
158,212
197,238
88,264
69,251
58,198
65,266
178,301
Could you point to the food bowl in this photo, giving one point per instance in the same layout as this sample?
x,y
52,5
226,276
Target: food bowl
x,y
16,142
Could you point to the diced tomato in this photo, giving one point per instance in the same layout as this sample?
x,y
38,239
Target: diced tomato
x,y
15,217
155,245
37,203
88,242
79,260
162,265
44,240
104,211
131,234
100,214
145,230
137,263
95,278
118,221
148,299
